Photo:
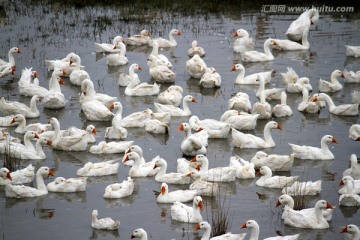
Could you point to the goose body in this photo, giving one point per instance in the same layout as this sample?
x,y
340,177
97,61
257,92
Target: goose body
x,y
61,184
99,169
13,107
134,88
301,24
275,162
243,140
138,40
227,236
161,59
136,119
294,83
344,109
352,51
306,105
165,43
315,153
196,66
262,108
269,181
244,169
240,102
139,168
354,132
156,127
270,94
160,73
282,109
27,88
293,46
183,213
214,128
110,147
175,111
120,190
125,79
349,198
334,85
87,86
354,170
195,49
193,144
203,187
254,56
249,79
20,176
303,188
351,77
11,58
240,121
179,195
95,110
77,75
171,96
55,99
108,48
210,79
119,58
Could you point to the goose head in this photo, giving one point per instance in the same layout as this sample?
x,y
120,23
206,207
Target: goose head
x,y
202,225
329,139
145,33
5,173
175,32
283,199
198,202
45,172
251,224
91,129
138,233
15,50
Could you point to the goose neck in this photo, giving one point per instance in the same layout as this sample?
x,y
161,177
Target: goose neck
x,y
267,136
172,39
186,107
39,149
11,59
254,233
40,182
207,233
20,128
329,102
267,50
33,104
54,84
349,186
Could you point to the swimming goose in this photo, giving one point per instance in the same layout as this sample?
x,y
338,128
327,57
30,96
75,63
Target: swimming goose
x,y
275,162
119,58
351,51
125,79
270,181
138,40
20,176
77,75
110,147
11,62
109,48
344,109
271,93
303,188
160,73
334,85
228,236
27,88
240,120
294,84
354,132
23,128
193,144
87,86
175,111
210,79
249,79
289,45
61,184
262,108
254,56
195,49
203,187
306,105
161,59
164,43
350,197
183,213
196,66
170,178
14,107
240,102
139,168
282,109
354,170
172,96
93,109
214,128
178,195
99,169
54,98
243,43
103,223
134,88
120,190
351,77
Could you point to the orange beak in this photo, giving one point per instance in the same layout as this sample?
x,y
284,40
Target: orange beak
x,y
200,129
51,173
179,33
181,128
243,226
344,230
279,127
201,206
233,68
328,205
139,68
235,34
49,143
112,106
278,203
163,190
275,43
126,159
36,136
198,167
315,100
193,100
341,183
334,140
13,121
197,227
8,176
19,51
13,69
63,72
193,159
35,74
123,41
94,131
61,81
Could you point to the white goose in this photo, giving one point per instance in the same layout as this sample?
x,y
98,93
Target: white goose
x,y
301,24
349,198
103,223
354,132
116,131
293,46
139,168
344,109
254,56
99,169
249,79
288,201
228,236
334,85
61,184
20,176
193,144
306,105
269,181
11,62
5,176
219,174
73,131
93,109
139,233
186,166
183,213
161,59
314,153
214,128
352,230
134,88
196,66
262,108
62,64
243,43
6,71
244,169
282,109
136,119
120,190
210,79
275,162
21,191
141,161
109,48
138,40
8,140
354,170
351,51
172,96
255,230
243,140
156,126
351,77
303,188
164,43
7,121
355,186
55,99
240,102
297,219
119,58
110,147
76,142
204,188
175,111
240,120
77,75
170,178
270,94
26,88
125,79
87,86
195,49
14,107
160,73
179,195
294,84
23,128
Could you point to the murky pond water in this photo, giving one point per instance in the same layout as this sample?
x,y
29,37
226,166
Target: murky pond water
x,y
48,31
